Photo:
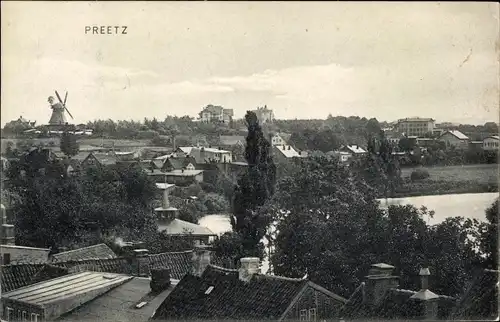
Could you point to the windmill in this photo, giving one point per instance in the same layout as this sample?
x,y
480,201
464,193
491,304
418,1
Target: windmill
x,y
58,108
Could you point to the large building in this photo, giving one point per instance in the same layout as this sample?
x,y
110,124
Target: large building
x,y
416,126
264,114
212,113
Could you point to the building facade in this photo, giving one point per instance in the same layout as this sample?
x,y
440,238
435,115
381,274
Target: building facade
x,y
416,126
264,114
212,113
490,143
455,139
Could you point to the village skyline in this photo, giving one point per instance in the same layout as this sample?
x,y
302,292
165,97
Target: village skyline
x,y
437,60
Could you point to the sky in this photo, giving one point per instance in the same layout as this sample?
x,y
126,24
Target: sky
x,y
301,59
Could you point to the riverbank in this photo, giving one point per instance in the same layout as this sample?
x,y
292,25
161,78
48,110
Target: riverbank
x,y
430,187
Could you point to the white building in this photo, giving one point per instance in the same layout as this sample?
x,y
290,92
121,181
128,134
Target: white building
x,y
264,114
208,155
416,126
276,139
212,113
490,143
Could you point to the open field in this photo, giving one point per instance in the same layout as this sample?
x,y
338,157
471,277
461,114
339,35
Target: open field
x,y
482,173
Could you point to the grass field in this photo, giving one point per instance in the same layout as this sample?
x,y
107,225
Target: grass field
x,y
482,173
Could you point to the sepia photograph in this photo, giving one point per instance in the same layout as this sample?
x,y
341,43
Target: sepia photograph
x,y
249,161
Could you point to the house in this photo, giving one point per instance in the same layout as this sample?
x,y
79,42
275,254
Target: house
x,y
354,150
204,155
490,143
264,115
186,150
415,126
379,297
277,139
91,252
217,293
212,113
455,139
424,142
285,153
184,177
341,156
94,159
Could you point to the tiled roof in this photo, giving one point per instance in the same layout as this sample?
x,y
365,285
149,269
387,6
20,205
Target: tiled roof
x,y
480,301
20,275
179,264
396,304
263,298
95,251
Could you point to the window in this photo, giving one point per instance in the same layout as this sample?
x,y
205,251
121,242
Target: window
x,y
312,314
34,317
25,318
9,313
303,315
6,259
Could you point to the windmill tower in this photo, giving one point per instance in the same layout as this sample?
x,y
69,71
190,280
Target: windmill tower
x,y
58,117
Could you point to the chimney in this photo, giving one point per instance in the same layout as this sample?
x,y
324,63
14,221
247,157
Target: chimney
x,y
378,282
426,301
140,261
249,266
160,279
201,259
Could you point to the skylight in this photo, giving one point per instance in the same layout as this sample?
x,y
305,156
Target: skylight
x,y
210,289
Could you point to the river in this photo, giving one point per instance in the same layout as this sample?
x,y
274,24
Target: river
x,y
471,205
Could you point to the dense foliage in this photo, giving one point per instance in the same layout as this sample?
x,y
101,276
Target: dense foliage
x,y
56,210
330,226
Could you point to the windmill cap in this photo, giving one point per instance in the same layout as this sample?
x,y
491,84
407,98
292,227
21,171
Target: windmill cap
x,y
424,272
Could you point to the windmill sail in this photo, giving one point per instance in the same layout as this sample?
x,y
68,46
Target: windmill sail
x,y
64,103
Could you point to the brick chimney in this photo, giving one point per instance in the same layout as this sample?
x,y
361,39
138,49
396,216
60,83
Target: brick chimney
x,y
201,259
378,282
425,300
160,279
248,267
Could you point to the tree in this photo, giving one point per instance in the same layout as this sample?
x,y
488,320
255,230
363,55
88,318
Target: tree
x,y
254,188
69,145
330,226
489,236
56,210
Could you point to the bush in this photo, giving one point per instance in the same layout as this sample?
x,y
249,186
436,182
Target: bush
x,y
215,203
419,174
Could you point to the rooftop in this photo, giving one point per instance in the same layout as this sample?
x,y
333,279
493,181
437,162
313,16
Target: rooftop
x,y
416,119
288,151
95,251
50,291
231,139
119,304
355,149
183,173
181,227
219,294
459,135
